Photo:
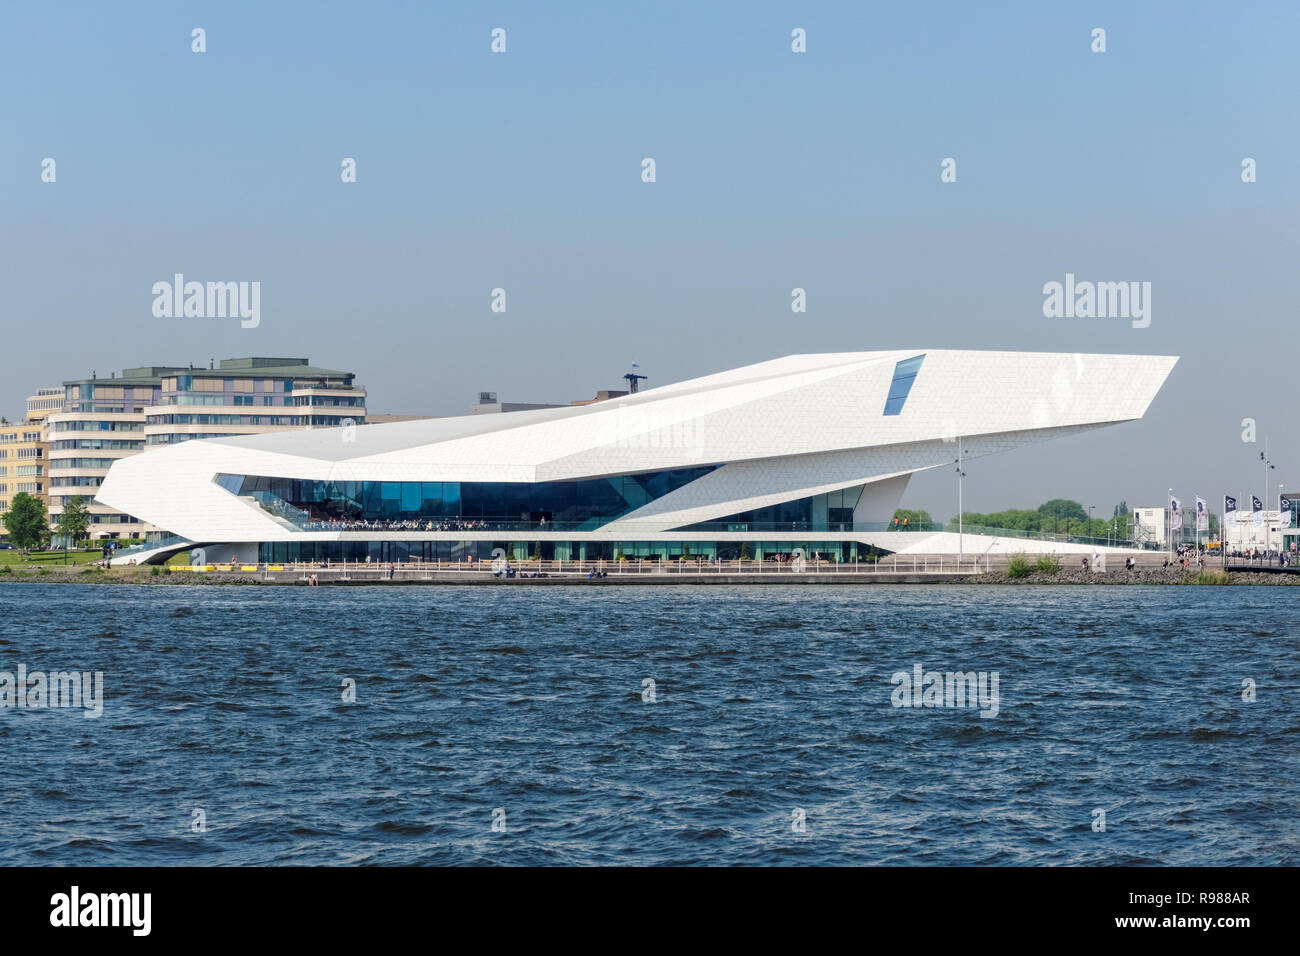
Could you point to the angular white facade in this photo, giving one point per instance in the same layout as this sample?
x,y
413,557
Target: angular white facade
x,y
705,450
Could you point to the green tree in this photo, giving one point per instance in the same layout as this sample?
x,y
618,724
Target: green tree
x,y
1010,520
74,523
27,523
1063,509
1095,528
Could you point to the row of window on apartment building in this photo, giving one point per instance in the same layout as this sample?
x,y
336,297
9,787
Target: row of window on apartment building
x,y
299,401
170,386
187,390
299,421
30,487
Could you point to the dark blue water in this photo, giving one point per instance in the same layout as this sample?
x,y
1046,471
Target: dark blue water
x,y
769,700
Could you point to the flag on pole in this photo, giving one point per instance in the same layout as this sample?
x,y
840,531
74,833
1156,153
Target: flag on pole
x,y
1229,509
1257,509
1284,506
1202,515
1175,514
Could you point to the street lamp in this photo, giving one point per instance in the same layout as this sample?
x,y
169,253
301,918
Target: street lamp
x,y
960,475
1268,466
1280,539
1169,522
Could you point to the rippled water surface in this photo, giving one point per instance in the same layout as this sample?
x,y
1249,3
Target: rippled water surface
x,y
769,700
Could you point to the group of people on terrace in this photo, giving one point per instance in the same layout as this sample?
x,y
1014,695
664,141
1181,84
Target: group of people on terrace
x,y
396,524
1282,559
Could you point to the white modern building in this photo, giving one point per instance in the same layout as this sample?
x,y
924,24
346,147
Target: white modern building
x,y
807,451
1151,526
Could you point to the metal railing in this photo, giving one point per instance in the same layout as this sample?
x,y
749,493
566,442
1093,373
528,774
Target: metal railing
x,y
164,541
513,568
1274,561
280,508
1059,537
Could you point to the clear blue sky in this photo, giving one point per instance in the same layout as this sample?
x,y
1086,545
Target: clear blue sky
x,y
775,170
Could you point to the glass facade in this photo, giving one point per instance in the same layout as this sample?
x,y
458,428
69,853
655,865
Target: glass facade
x,y
832,511
563,505
286,421
77,481
86,462
94,444
277,552
904,375
111,395
100,426
173,438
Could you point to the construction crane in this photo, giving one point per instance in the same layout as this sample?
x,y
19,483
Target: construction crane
x,y
632,379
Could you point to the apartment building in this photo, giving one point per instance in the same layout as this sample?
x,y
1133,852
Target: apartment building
x,y
249,396
104,420
25,452
45,401
24,464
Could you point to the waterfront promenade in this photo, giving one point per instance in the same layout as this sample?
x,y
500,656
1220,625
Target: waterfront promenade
x,y
1151,568
893,569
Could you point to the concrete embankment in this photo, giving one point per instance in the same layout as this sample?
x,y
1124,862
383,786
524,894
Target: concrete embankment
x,y
1140,575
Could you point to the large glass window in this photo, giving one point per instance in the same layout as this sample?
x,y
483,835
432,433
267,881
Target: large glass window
x,y
383,552
577,505
832,511
904,375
